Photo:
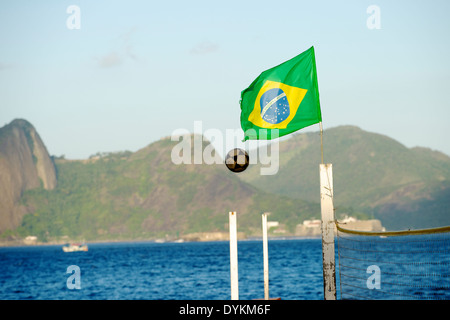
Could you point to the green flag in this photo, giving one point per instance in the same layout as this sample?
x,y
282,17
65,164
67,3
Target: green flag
x,y
282,99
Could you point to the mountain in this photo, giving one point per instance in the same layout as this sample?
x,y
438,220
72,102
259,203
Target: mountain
x,y
24,164
144,195
404,188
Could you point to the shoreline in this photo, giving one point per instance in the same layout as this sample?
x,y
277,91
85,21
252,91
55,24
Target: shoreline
x,y
20,243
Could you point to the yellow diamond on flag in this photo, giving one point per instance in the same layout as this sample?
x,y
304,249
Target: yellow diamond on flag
x,y
276,105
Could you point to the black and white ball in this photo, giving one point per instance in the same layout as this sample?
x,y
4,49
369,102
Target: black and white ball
x,y
237,160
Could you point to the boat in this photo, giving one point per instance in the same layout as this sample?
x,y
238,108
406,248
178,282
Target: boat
x,y
73,247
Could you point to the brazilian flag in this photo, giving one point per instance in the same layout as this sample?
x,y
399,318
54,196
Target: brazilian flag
x,y
285,97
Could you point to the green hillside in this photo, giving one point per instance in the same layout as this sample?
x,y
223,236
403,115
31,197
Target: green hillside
x,y
143,195
371,173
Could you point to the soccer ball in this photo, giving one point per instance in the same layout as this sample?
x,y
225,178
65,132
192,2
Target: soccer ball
x,y
237,160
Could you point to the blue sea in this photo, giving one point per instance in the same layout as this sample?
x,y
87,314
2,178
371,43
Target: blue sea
x,y
161,271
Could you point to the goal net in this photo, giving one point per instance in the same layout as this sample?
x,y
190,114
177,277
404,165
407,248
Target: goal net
x,y
411,264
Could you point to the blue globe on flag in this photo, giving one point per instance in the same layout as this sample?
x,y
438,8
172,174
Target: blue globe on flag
x,y
274,106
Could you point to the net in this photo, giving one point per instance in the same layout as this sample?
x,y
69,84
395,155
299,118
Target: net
x,y
394,265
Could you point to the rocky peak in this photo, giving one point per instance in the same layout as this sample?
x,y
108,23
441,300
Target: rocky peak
x,y
24,164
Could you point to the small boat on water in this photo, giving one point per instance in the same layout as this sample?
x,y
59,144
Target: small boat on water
x,y
73,247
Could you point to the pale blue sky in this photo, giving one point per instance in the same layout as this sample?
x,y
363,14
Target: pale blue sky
x,y
138,70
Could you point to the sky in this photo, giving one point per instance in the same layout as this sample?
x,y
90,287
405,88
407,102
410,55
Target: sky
x,y
123,74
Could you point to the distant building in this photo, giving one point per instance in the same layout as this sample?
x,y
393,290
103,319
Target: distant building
x,y
312,228
315,223
30,240
272,224
348,219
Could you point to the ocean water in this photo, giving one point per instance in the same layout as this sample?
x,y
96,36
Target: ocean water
x,y
161,271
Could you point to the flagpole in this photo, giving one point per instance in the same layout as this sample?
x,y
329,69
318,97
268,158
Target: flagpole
x,y
321,139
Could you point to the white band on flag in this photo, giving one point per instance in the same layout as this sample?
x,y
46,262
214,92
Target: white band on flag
x,y
271,102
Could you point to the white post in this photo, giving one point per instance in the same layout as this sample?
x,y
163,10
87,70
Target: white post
x,y
265,257
326,203
233,257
